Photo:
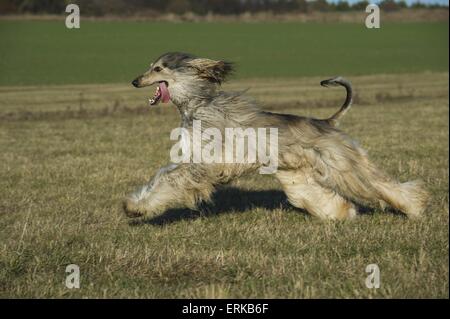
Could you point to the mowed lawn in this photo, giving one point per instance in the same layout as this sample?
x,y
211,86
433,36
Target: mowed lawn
x,y
46,52
71,153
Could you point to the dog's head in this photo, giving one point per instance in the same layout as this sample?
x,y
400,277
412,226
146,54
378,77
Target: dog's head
x,y
181,77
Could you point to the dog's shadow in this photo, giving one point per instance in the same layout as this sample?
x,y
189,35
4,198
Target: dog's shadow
x,y
224,201
234,200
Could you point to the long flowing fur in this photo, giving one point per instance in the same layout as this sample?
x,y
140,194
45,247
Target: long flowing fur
x,y
321,169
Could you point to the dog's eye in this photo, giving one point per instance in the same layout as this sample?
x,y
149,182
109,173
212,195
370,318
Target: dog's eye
x,y
157,69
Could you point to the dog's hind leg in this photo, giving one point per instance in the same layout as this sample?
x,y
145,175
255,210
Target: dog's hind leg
x,y
339,164
304,192
173,186
409,198
364,183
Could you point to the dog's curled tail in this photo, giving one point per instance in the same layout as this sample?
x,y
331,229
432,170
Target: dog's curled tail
x,y
334,119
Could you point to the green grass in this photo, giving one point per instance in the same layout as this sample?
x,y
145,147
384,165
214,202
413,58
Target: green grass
x,y
45,52
70,154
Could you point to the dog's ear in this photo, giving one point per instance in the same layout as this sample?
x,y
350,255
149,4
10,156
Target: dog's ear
x,y
212,70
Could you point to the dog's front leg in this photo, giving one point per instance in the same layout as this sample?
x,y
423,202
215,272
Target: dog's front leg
x,y
134,204
183,185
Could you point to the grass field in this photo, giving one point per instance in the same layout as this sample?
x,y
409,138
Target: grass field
x,y
71,152
76,137
46,52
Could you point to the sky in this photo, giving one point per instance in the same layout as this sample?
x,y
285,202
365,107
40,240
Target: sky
x,y
407,1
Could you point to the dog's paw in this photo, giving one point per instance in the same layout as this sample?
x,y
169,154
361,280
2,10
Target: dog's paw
x,y
132,209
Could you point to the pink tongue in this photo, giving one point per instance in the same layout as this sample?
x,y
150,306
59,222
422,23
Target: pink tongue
x,y
165,96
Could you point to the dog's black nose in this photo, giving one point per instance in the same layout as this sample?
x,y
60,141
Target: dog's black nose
x,y
135,82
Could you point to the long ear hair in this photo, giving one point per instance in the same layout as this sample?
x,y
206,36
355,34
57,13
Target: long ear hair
x,y
212,70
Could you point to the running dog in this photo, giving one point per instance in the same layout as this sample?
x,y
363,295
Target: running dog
x,y
321,169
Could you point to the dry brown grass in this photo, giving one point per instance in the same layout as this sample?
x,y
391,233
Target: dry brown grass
x,y
401,15
70,153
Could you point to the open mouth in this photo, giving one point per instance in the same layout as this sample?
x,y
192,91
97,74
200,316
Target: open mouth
x,y
161,94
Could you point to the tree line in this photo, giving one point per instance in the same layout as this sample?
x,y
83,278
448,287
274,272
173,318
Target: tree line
x,y
200,7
